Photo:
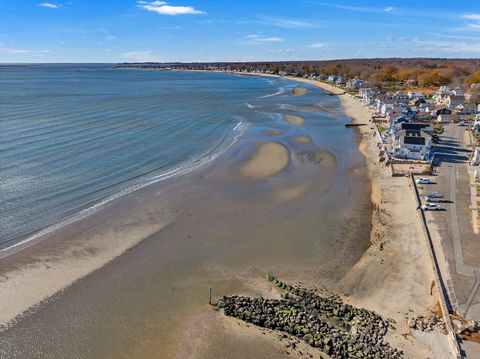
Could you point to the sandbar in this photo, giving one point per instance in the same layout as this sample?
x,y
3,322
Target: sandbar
x,y
293,120
299,91
270,159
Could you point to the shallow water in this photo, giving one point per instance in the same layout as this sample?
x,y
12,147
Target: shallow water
x,y
73,137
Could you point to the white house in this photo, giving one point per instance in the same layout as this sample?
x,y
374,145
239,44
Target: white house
x,y
415,94
332,78
368,95
412,145
385,108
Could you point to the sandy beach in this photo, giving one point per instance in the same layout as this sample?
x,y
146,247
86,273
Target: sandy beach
x,y
215,229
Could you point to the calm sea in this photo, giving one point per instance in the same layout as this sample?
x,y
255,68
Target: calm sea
x,y
75,137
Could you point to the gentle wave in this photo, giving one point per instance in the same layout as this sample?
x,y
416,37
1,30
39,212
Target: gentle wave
x,y
279,92
182,169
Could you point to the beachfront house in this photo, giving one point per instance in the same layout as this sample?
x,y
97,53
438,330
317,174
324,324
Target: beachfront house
x,y
400,110
368,95
355,84
417,126
412,145
396,123
332,78
340,81
385,108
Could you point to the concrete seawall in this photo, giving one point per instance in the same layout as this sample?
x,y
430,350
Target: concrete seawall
x,y
439,283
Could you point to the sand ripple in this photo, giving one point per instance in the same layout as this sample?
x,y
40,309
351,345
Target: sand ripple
x,y
270,159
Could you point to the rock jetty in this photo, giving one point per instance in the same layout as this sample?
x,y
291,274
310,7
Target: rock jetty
x,y
318,317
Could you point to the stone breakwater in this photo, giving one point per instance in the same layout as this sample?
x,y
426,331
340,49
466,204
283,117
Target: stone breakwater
x,y
318,317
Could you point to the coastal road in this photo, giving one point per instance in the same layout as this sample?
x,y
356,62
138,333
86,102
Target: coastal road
x,y
453,230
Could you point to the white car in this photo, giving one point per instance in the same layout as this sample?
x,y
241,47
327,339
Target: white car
x,y
435,195
461,123
434,199
431,207
423,180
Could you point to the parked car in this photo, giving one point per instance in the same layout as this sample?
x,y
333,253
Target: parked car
x,y
423,180
435,195
462,123
434,199
431,207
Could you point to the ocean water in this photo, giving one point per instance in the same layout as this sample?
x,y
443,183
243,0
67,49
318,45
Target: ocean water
x,y
75,137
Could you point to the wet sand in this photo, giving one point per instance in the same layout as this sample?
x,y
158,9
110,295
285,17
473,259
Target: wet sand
x,y
293,120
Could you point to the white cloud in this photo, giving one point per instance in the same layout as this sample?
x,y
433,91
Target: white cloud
x,y
472,17
110,37
48,5
282,51
474,26
258,38
288,23
270,39
161,7
138,56
356,8
14,51
317,45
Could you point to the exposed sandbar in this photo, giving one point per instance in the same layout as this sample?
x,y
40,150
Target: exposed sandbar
x,y
270,159
299,91
293,120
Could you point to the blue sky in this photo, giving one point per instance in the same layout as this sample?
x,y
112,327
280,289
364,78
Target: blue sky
x,y
235,30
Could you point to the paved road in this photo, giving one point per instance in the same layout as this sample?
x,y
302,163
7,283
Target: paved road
x,y
453,229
